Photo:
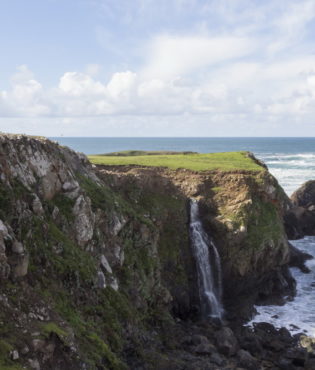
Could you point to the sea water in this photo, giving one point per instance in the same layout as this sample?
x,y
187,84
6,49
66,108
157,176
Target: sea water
x,y
290,160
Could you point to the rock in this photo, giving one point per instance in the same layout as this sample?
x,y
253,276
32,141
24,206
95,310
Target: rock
x,y
199,339
217,359
37,206
300,219
310,364
17,247
298,259
246,360
38,344
205,349
50,185
20,265
101,281
34,364
252,344
305,195
3,230
84,220
118,224
25,350
15,355
307,342
296,355
105,264
114,284
292,224
286,364
226,341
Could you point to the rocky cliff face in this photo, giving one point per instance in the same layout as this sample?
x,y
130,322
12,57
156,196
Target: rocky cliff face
x,y
242,212
96,265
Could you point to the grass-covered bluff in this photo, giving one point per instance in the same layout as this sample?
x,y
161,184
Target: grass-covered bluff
x,y
192,161
241,203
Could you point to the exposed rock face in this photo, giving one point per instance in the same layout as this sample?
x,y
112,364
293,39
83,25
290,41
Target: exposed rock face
x,y
242,212
300,220
96,264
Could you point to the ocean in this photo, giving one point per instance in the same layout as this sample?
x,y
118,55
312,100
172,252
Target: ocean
x,y
290,160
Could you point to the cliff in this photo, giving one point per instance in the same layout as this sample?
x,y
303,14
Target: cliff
x,y
96,264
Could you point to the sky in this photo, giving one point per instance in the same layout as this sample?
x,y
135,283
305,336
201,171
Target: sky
x,y
157,68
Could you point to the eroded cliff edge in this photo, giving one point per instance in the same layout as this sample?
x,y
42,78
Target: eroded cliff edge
x,y
96,263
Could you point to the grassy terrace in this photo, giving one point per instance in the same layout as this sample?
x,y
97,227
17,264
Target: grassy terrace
x,y
193,161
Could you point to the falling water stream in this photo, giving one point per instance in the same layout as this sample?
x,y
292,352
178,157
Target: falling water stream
x,y
208,266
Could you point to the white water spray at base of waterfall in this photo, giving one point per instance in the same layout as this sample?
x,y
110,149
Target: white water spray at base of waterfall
x,y
208,266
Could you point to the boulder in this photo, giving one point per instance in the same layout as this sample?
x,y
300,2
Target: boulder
x,y
246,360
305,195
299,220
226,341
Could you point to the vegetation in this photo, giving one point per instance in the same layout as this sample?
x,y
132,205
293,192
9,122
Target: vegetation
x,y
197,162
128,153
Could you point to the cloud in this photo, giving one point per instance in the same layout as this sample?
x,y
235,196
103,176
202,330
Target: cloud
x,y
26,96
230,61
171,56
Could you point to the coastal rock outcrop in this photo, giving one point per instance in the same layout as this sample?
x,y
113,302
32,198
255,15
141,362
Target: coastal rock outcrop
x,y
96,264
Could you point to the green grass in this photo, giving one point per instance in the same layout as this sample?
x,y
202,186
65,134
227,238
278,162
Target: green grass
x,y
228,161
128,153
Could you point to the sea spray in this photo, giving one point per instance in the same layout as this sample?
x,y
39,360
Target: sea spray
x,y
208,266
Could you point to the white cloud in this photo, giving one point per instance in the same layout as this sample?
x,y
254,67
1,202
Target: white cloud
x,y
80,84
121,84
171,56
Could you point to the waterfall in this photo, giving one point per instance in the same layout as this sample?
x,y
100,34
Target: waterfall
x,y
208,266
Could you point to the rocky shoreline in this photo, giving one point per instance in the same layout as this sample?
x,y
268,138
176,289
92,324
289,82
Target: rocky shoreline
x,y
97,270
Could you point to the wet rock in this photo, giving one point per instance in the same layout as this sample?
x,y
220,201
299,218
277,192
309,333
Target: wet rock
x,y
217,359
310,364
246,360
296,355
298,259
252,344
226,341
205,349
285,364
199,339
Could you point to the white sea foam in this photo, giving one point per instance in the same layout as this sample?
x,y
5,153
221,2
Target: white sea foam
x,y
291,170
297,315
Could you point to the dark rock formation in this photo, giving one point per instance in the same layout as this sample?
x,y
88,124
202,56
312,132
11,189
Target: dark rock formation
x,y
300,218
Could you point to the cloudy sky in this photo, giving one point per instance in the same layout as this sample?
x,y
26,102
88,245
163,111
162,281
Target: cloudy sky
x,y
158,67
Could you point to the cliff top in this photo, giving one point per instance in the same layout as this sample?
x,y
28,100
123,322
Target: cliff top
x,y
227,161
